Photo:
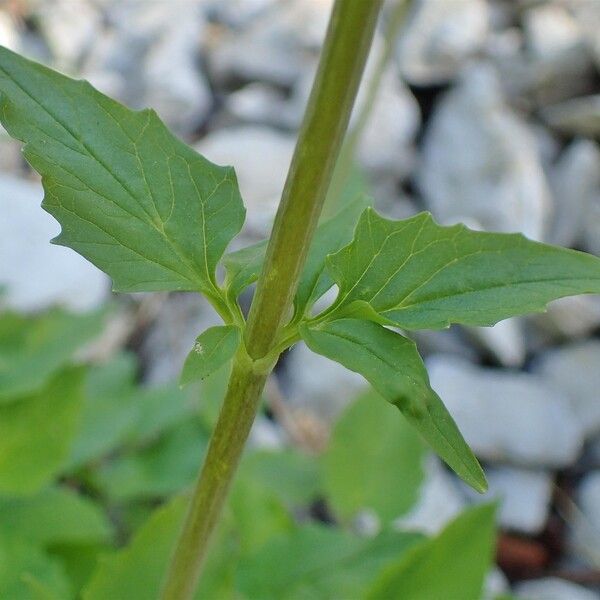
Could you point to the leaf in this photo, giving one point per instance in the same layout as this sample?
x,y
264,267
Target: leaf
x,y
155,471
452,565
55,515
32,349
316,561
36,433
131,198
28,573
243,266
137,571
330,236
392,365
416,274
212,349
369,447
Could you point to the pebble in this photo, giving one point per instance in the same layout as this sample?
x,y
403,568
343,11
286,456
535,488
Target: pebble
x,y
553,588
261,157
35,273
439,37
573,370
508,417
480,161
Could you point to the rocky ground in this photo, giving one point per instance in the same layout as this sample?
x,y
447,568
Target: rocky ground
x,y
487,113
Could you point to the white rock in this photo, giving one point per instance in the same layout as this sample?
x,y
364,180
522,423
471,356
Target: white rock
x,y
575,183
37,274
439,37
496,584
258,103
319,384
175,87
439,501
586,521
524,496
573,316
480,161
574,370
69,33
553,588
505,341
261,157
507,416
578,116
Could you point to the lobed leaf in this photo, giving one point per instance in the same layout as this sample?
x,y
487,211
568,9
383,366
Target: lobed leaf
x,y
243,266
392,365
130,197
417,274
212,349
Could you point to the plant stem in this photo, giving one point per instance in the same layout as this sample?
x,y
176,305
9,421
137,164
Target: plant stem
x,y
343,57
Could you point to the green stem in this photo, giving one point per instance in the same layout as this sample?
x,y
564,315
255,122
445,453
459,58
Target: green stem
x,y
343,57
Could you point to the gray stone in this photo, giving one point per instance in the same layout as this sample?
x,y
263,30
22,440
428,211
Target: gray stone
x,y
35,273
439,37
553,588
508,416
319,385
572,317
574,370
578,116
439,501
505,341
524,497
586,521
575,184
261,157
480,161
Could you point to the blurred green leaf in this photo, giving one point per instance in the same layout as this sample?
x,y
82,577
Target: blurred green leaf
x,y
319,562
28,573
162,468
56,515
116,410
36,433
137,570
374,461
130,197
32,349
417,274
392,365
452,565
213,348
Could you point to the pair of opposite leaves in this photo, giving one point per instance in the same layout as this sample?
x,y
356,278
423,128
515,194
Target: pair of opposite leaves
x,y
155,216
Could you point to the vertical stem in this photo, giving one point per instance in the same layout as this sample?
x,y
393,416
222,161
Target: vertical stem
x,y
343,57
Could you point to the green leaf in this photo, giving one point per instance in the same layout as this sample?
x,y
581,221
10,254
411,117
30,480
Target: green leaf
x,y
28,573
213,348
32,349
330,236
319,562
369,448
243,266
55,515
452,565
36,433
133,199
137,571
392,365
416,274
156,471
